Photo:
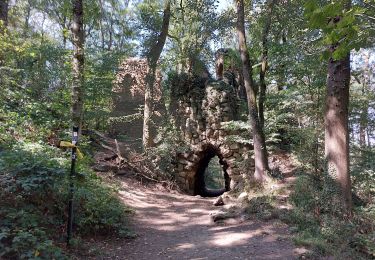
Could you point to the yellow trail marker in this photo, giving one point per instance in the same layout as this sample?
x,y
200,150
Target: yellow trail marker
x,y
70,145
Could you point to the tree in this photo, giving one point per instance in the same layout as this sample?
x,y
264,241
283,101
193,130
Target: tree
x,y
264,60
78,63
260,151
153,56
193,28
336,124
363,121
341,35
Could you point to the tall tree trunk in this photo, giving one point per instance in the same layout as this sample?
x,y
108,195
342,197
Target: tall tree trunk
x,y
152,59
260,151
264,67
336,124
78,63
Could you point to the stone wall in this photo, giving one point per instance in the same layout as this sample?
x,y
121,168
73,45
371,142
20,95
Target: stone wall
x,y
128,97
203,112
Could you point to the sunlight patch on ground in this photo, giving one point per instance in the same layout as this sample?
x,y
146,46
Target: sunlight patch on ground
x,y
184,246
199,211
231,239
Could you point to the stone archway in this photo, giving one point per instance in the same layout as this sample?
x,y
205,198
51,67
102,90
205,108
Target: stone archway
x,y
192,165
204,112
200,187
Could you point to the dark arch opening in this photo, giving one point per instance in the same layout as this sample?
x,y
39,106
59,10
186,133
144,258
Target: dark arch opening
x,y
200,186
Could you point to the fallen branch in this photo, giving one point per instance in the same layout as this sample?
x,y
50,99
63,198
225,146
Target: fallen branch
x,y
140,166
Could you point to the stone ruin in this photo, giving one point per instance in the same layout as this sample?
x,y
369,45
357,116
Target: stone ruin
x,y
204,112
128,98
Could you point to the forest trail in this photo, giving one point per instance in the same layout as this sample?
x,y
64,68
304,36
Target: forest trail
x,y
170,225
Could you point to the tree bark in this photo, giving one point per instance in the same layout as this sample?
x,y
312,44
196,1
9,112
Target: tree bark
x,y
336,125
363,121
260,151
281,77
264,67
364,113
152,59
78,63
4,6
27,17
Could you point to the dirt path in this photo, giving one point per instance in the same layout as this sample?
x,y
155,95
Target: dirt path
x,y
177,226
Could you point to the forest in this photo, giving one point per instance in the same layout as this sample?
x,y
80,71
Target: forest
x,y
187,129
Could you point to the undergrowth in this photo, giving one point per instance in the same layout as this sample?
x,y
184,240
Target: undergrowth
x,y
317,219
33,202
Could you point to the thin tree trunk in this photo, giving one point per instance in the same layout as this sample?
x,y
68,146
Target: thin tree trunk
x,y
281,76
64,34
241,92
102,16
336,125
152,58
78,63
364,113
27,17
4,5
363,121
264,67
110,36
368,138
261,162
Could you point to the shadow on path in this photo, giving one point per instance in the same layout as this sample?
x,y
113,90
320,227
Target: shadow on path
x,y
176,226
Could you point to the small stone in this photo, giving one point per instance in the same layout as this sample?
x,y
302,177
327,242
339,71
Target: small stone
x,y
218,202
242,196
102,168
226,109
234,146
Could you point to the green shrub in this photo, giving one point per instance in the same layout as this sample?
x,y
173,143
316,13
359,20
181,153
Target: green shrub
x,y
33,199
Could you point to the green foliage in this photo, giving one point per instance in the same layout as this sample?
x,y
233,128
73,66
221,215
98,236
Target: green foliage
x,y
194,25
339,25
32,79
232,60
33,226
99,75
149,22
363,174
319,220
214,175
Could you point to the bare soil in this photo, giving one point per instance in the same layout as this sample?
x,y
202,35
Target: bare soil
x,y
171,225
